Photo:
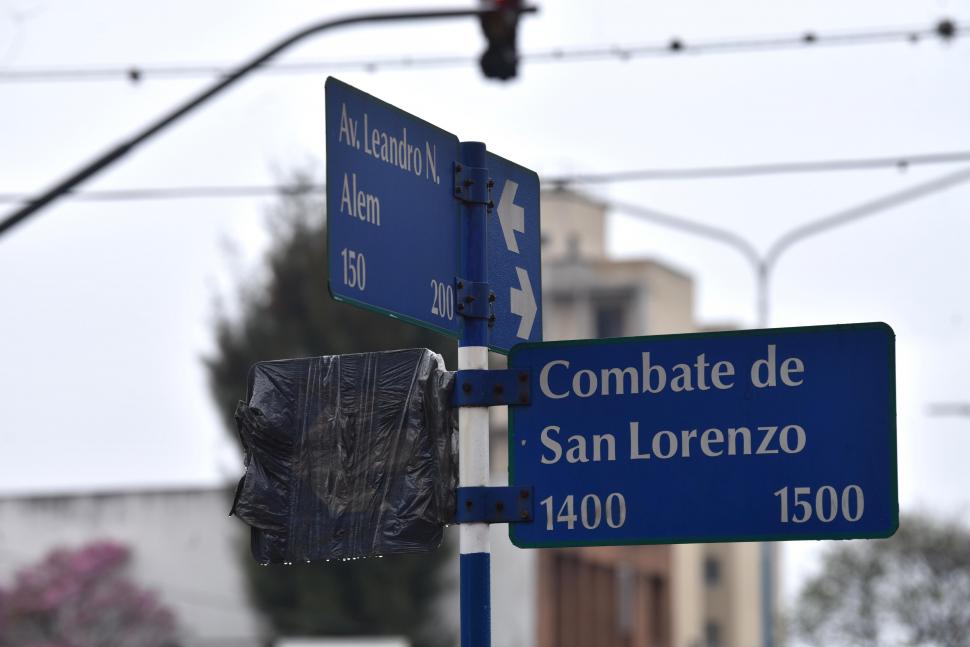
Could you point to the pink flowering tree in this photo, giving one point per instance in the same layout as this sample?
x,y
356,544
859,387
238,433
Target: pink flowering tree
x,y
81,598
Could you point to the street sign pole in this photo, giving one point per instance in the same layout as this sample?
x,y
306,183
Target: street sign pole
x,y
475,559
407,240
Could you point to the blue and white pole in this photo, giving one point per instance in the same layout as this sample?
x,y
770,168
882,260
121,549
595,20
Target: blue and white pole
x,y
475,564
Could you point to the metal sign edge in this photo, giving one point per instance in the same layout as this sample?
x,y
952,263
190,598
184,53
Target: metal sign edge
x,y
334,81
704,335
528,171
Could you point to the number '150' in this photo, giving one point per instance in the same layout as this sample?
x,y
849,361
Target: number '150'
x,y
355,269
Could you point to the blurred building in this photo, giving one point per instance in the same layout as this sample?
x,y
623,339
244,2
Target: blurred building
x,y
695,595
185,548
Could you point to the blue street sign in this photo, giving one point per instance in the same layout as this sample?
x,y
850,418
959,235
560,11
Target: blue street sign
x,y
776,434
392,218
513,249
393,221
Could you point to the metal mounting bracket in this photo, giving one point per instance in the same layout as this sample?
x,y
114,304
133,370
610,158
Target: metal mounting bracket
x,y
473,186
474,300
483,504
485,388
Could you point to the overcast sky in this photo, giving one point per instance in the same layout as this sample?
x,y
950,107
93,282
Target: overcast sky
x,y
106,308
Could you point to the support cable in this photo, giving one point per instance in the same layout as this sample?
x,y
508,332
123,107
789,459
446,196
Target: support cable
x,y
945,30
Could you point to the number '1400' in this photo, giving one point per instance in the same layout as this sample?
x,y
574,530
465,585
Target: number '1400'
x,y
593,511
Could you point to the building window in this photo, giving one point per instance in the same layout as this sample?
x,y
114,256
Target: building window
x,y
610,319
712,634
601,603
625,599
712,571
658,610
572,246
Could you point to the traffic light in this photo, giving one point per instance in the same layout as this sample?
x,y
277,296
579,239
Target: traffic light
x,y
500,59
347,456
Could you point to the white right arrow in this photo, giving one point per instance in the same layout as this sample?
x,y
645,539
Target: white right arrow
x,y
523,303
510,216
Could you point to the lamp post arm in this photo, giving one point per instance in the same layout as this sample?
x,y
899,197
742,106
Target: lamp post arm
x,y
718,234
119,151
860,211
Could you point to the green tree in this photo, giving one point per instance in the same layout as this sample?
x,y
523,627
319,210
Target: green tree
x,y
290,314
911,589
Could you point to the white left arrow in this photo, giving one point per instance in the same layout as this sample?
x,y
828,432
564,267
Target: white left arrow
x,y
522,302
511,216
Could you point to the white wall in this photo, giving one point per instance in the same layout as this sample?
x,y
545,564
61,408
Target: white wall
x,y
185,547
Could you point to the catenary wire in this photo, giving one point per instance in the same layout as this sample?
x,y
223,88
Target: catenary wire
x,y
949,409
901,162
944,30
112,155
177,193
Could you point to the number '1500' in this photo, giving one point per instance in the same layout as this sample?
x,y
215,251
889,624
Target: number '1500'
x,y
826,504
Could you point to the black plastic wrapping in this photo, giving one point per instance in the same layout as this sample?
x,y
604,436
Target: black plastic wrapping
x,y
347,455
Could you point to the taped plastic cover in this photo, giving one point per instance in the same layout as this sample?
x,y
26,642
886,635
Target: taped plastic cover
x,y
347,455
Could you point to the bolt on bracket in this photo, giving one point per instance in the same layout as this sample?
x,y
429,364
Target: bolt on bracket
x,y
491,388
504,504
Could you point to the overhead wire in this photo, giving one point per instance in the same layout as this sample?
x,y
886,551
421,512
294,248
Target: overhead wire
x,y
177,193
900,162
944,30
949,409
112,155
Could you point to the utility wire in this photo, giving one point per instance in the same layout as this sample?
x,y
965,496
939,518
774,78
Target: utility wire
x,y
901,162
98,164
945,30
177,193
950,409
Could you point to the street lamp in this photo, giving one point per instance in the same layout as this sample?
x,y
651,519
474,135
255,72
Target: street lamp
x,y
764,265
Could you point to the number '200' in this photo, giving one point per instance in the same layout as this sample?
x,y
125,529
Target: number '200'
x,y
443,299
